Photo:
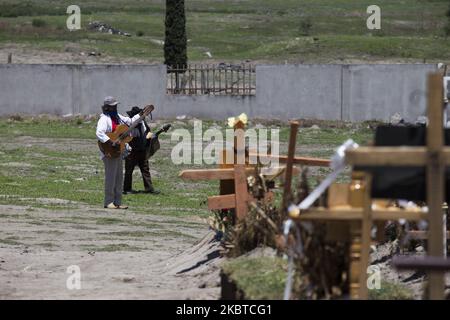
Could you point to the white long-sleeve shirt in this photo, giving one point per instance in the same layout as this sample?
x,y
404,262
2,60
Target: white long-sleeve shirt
x,y
104,126
139,128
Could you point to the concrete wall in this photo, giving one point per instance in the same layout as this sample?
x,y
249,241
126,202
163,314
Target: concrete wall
x,y
299,91
330,92
377,92
63,89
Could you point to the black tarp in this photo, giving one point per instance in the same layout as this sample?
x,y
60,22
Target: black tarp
x,y
407,183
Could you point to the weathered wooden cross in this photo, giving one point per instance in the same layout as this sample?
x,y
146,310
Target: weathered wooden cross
x,y
238,198
434,156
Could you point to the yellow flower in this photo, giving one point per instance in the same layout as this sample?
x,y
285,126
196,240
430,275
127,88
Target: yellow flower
x,y
233,120
243,117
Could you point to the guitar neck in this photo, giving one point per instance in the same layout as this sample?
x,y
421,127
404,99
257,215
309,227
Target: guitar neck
x,y
159,132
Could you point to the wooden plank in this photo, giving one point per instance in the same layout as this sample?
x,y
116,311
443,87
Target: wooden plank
x,y
355,259
240,178
435,182
422,235
445,154
387,156
240,185
422,263
211,174
392,156
289,165
338,194
336,214
337,231
366,226
380,236
349,213
227,201
435,133
392,214
307,161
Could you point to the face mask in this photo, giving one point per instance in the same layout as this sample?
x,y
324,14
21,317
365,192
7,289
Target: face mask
x,y
110,111
112,114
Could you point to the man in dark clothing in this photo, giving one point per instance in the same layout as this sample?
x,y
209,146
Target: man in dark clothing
x,y
137,157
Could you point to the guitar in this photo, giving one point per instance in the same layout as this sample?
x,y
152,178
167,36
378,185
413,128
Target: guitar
x,y
153,141
121,136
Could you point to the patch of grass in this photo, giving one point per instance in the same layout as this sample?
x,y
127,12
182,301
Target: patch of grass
x,y
54,232
37,223
412,30
12,241
106,221
82,227
391,291
47,245
71,175
48,127
259,278
15,216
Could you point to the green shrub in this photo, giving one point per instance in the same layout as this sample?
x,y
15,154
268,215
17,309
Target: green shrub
x,y
13,10
305,27
39,23
140,33
30,9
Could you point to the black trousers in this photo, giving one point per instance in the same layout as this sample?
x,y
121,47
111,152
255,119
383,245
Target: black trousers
x,y
137,158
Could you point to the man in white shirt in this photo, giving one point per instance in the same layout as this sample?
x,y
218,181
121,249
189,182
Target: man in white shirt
x,y
107,123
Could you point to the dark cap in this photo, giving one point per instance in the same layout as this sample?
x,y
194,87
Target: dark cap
x,y
134,111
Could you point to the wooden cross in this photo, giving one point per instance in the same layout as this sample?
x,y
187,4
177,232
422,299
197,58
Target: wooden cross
x,y
239,198
236,173
434,156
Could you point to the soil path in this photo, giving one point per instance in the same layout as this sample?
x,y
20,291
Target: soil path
x,y
121,255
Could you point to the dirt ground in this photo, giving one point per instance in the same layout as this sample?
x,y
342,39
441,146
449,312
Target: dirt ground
x,y
126,256
415,281
122,254
27,55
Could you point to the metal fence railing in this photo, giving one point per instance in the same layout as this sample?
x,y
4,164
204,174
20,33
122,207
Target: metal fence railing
x,y
208,79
